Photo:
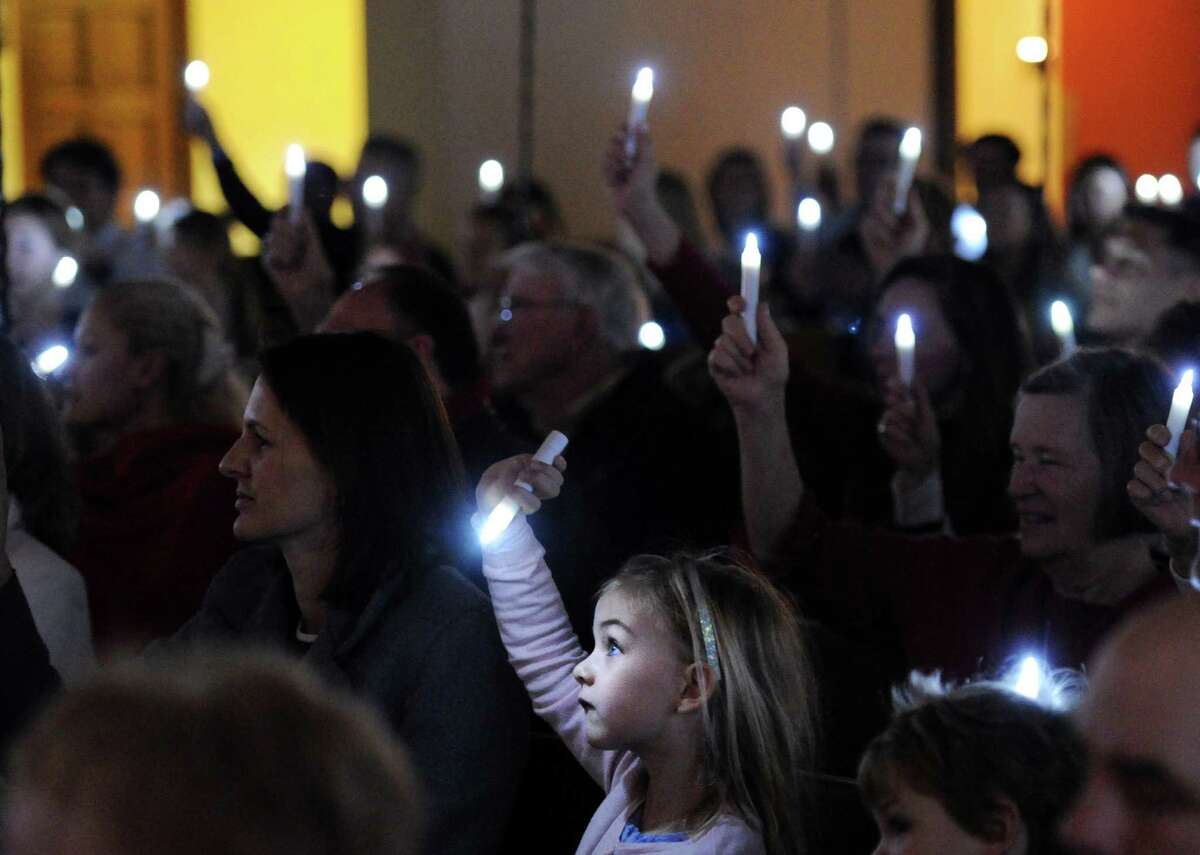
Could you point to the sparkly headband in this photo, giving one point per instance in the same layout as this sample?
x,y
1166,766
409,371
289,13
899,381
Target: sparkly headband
x,y
708,630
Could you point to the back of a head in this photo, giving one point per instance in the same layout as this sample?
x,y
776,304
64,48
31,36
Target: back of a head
x,y
760,722
398,153
1175,338
162,316
973,748
592,276
241,754
83,153
745,165
1179,231
421,301
1125,392
34,453
202,230
371,417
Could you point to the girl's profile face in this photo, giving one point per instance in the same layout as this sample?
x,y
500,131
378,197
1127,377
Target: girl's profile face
x,y
32,255
104,381
630,684
914,824
283,494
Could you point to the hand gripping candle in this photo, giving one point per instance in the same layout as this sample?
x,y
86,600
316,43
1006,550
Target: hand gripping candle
x,y
504,513
1064,326
910,153
295,166
1181,405
906,343
639,105
751,264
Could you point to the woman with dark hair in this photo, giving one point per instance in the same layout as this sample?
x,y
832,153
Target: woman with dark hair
x,y
970,770
43,514
349,486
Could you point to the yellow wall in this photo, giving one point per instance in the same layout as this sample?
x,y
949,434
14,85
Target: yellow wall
x,y
282,71
10,107
997,93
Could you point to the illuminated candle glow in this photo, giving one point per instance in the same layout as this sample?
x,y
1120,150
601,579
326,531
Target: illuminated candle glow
x,y
491,178
1146,188
652,336
639,106
1170,190
751,265
792,122
820,137
50,360
196,76
970,232
146,206
906,343
1064,326
910,153
65,272
295,165
1033,50
1028,681
1181,405
505,512
808,214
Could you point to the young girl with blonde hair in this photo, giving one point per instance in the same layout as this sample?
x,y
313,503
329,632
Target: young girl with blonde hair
x,y
694,710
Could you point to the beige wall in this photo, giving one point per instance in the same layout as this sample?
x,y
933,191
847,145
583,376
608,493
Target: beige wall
x,y
444,72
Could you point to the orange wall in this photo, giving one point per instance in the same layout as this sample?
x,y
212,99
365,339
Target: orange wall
x,y
1131,81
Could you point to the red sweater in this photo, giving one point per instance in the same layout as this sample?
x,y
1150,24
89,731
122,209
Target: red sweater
x,y
157,524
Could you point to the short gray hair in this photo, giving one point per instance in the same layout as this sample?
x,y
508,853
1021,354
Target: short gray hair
x,y
592,276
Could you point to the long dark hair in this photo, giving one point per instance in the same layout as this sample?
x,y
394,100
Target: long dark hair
x,y
34,453
372,418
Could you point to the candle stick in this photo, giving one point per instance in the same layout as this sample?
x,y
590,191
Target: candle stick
x,y
1064,326
196,76
295,166
375,196
505,512
792,122
639,105
751,264
1181,405
910,153
906,343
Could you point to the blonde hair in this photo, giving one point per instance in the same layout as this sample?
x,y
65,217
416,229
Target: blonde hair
x,y
243,754
162,316
759,722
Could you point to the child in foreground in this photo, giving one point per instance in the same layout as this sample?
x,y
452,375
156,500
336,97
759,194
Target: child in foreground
x,y
694,710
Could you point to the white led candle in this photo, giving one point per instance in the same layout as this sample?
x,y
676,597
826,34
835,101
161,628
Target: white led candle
x,y
1181,405
910,153
751,264
1064,326
491,179
295,165
505,512
65,272
906,343
639,106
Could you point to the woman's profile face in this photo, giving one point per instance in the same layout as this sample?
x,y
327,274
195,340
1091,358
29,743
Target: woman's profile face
x,y
937,356
284,496
104,383
32,255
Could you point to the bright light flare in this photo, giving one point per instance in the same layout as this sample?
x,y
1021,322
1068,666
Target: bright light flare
x,y
910,145
1033,50
1060,318
651,336
906,337
146,206
643,86
50,360
820,137
792,122
294,163
1028,680
491,176
1146,188
1170,189
74,219
375,192
65,272
808,214
970,232
196,75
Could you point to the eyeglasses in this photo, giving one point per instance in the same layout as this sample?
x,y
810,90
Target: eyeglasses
x,y
508,305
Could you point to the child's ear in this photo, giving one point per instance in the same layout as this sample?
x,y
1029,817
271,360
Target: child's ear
x,y
1006,829
699,684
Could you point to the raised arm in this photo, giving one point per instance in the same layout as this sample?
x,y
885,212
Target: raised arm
x,y
242,202
753,380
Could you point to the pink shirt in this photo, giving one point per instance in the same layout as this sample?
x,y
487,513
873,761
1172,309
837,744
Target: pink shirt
x,y
544,651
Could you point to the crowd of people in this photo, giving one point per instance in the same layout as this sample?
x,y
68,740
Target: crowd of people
x,y
787,584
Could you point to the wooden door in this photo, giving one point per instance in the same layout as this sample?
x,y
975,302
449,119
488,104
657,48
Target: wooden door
x,y
109,69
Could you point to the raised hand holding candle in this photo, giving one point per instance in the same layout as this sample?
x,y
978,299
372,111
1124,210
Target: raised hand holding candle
x,y
639,106
295,166
1064,326
910,153
751,264
505,512
906,343
1181,405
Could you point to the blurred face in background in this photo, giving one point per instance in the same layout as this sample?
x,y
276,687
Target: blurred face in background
x,y
877,156
938,356
1102,197
536,336
32,257
85,190
105,384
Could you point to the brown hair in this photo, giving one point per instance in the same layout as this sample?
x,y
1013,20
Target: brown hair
x,y
973,746
240,754
759,722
